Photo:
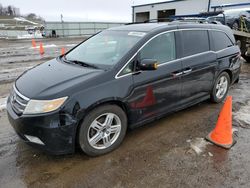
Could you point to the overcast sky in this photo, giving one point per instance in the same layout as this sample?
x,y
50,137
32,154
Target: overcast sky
x,y
79,10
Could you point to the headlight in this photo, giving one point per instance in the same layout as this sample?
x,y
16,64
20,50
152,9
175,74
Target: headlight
x,y
43,106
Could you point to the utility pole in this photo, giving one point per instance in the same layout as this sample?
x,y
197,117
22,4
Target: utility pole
x,y
133,12
209,4
62,24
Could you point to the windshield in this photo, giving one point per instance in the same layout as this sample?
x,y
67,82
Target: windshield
x,y
105,49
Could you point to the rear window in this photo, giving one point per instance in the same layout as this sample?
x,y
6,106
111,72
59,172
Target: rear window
x,y
220,40
195,42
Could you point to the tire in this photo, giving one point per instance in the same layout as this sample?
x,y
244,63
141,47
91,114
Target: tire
x,y
98,134
235,26
215,97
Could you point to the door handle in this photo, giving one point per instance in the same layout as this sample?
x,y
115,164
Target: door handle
x,y
175,74
187,71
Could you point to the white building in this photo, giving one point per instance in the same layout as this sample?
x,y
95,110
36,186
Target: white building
x,y
16,11
183,7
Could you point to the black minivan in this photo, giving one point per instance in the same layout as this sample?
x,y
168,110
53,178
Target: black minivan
x,y
121,77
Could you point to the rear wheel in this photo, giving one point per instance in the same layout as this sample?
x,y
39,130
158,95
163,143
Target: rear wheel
x,y
102,130
220,88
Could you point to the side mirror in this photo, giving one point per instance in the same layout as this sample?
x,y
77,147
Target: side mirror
x,y
148,64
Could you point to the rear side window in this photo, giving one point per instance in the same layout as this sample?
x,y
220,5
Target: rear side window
x,y
161,48
220,40
194,42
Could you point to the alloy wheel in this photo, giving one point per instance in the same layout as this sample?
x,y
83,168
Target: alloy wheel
x,y
221,87
104,131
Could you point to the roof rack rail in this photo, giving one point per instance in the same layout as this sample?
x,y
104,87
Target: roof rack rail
x,y
152,21
158,20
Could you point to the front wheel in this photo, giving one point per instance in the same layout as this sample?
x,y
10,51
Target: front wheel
x,y
102,130
220,88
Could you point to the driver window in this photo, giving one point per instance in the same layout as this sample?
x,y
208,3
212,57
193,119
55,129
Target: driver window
x,y
161,48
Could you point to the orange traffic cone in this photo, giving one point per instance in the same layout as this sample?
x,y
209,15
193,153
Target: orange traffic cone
x,y
222,135
41,48
33,43
62,51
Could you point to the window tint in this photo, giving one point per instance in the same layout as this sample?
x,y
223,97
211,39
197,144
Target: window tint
x,y
161,48
220,40
195,42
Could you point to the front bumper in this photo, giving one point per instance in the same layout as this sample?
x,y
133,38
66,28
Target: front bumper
x,y
56,130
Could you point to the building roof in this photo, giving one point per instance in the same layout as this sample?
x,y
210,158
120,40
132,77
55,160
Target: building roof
x,y
230,5
164,2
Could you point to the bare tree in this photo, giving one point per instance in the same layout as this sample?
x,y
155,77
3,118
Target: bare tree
x,y
10,10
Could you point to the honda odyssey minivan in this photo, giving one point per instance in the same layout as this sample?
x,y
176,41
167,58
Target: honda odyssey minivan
x,y
121,78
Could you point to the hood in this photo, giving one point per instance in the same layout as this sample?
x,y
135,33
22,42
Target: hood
x,y
52,79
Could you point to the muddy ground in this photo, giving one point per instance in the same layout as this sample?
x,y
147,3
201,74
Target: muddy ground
x,y
170,152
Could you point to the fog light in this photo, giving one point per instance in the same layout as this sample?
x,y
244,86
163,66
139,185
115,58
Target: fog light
x,y
34,139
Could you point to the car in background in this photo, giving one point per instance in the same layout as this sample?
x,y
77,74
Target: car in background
x,y
218,19
232,18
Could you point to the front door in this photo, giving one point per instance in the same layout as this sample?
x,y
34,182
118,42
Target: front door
x,y
157,92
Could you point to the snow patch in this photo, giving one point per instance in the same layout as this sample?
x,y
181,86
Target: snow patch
x,y
21,19
30,36
3,102
242,116
198,145
45,46
210,154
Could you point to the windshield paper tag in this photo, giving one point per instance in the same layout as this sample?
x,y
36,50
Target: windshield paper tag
x,y
138,34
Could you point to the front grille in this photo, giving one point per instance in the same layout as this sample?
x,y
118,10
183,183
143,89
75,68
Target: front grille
x,y
18,101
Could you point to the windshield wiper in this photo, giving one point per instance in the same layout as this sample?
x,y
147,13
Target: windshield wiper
x,y
80,63
83,64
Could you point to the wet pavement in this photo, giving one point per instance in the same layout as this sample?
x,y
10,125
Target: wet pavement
x,y
170,152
